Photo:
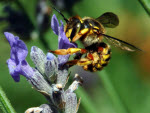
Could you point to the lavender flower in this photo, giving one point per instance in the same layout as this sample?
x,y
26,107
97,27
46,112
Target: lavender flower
x,y
17,63
48,77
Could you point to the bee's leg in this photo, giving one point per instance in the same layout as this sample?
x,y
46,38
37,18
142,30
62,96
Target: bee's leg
x,y
72,63
81,33
81,62
69,51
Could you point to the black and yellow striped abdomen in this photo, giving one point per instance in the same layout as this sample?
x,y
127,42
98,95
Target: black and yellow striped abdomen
x,y
100,54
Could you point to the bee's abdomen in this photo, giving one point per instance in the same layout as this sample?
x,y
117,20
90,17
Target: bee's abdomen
x,y
100,59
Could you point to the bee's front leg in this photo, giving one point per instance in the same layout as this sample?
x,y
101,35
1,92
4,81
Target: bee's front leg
x,y
69,51
80,34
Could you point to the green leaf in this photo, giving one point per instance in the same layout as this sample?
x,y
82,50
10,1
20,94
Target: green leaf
x,y
5,105
146,5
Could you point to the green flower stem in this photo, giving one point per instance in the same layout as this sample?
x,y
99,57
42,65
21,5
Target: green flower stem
x,y
5,105
146,5
86,101
120,107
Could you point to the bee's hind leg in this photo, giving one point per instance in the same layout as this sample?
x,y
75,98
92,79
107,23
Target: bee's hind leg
x,y
80,62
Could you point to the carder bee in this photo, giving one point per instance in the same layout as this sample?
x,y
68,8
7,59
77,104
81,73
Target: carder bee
x,y
91,32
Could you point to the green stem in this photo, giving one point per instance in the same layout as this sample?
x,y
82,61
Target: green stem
x,y
120,107
86,101
5,105
146,5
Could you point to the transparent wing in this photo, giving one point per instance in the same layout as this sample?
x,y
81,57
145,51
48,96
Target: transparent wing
x,y
108,19
121,44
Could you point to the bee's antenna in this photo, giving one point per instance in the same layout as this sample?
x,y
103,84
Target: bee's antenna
x,y
60,14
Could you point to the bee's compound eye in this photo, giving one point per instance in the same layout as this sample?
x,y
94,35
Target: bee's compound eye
x,y
78,25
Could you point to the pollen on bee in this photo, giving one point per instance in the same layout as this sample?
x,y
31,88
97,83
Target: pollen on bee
x,y
98,66
103,62
105,50
85,67
105,57
94,69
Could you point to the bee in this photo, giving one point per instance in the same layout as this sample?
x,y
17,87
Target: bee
x,y
91,32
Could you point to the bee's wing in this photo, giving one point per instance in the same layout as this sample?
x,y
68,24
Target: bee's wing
x,y
109,19
121,44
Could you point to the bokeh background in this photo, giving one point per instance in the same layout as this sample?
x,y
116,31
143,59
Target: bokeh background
x,y
122,87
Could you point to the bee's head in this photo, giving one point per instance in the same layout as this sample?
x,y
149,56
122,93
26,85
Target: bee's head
x,y
73,27
74,22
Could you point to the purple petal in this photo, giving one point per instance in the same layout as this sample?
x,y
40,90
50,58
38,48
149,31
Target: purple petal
x,y
62,26
50,56
11,38
17,64
54,24
22,68
26,70
19,50
12,70
13,55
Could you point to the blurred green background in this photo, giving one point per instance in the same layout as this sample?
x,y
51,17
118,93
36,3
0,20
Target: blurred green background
x,y
128,74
